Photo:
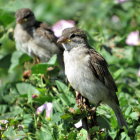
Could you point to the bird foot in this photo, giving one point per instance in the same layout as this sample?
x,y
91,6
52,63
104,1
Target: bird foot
x,y
82,102
36,60
84,105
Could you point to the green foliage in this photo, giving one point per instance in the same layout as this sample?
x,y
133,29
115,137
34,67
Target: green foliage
x,y
107,23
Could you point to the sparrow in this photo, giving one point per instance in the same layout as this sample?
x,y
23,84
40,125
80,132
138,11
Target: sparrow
x,y
87,71
35,38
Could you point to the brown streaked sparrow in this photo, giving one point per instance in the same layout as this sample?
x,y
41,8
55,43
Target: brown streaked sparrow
x,y
87,71
35,38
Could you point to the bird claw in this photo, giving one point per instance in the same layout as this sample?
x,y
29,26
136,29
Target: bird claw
x,y
80,100
84,105
36,60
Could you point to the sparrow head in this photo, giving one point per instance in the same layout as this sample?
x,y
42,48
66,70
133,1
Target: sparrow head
x,y
25,17
72,38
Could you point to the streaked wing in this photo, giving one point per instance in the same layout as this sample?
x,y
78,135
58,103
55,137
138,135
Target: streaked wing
x,y
100,69
44,31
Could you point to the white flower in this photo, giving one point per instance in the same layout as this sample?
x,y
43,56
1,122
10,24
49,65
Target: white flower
x,y
79,124
115,19
3,121
49,110
48,107
40,109
138,73
59,26
133,38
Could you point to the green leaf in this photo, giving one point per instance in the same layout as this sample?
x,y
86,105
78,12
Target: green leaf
x,y
27,120
52,60
40,68
6,17
82,135
43,134
124,136
9,132
66,116
5,62
3,108
14,111
10,98
138,129
134,115
15,60
27,89
17,4
61,86
67,97
72,135
128,110
118,73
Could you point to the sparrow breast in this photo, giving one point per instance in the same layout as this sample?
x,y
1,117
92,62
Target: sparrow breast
x,y
81,77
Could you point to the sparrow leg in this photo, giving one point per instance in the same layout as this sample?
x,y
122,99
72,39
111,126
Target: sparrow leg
x,y
84,104
36,60
92,115
86,127
79,100
95,108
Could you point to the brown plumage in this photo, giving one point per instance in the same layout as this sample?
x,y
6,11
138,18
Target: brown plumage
x,y
87,71
35,38
99,68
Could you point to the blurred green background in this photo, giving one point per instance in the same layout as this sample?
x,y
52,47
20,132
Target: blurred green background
x,y
108,24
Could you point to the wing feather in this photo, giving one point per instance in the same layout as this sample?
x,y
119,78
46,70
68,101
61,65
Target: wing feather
x,y
100,69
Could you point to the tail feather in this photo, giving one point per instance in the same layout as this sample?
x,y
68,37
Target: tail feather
x,y
119,115
120,118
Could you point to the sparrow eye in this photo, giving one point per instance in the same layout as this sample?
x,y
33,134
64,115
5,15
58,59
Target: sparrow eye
x,y
26,16
29,15
72,36
50,31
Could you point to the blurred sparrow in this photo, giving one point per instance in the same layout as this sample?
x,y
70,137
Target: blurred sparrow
x,y
35,38
87,71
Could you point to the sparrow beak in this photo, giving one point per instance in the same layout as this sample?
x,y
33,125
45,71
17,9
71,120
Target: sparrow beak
x,y
63,40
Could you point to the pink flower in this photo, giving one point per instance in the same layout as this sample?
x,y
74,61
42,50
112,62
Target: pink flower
x,y
133,38
34,96
120,1
59,26
48,107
